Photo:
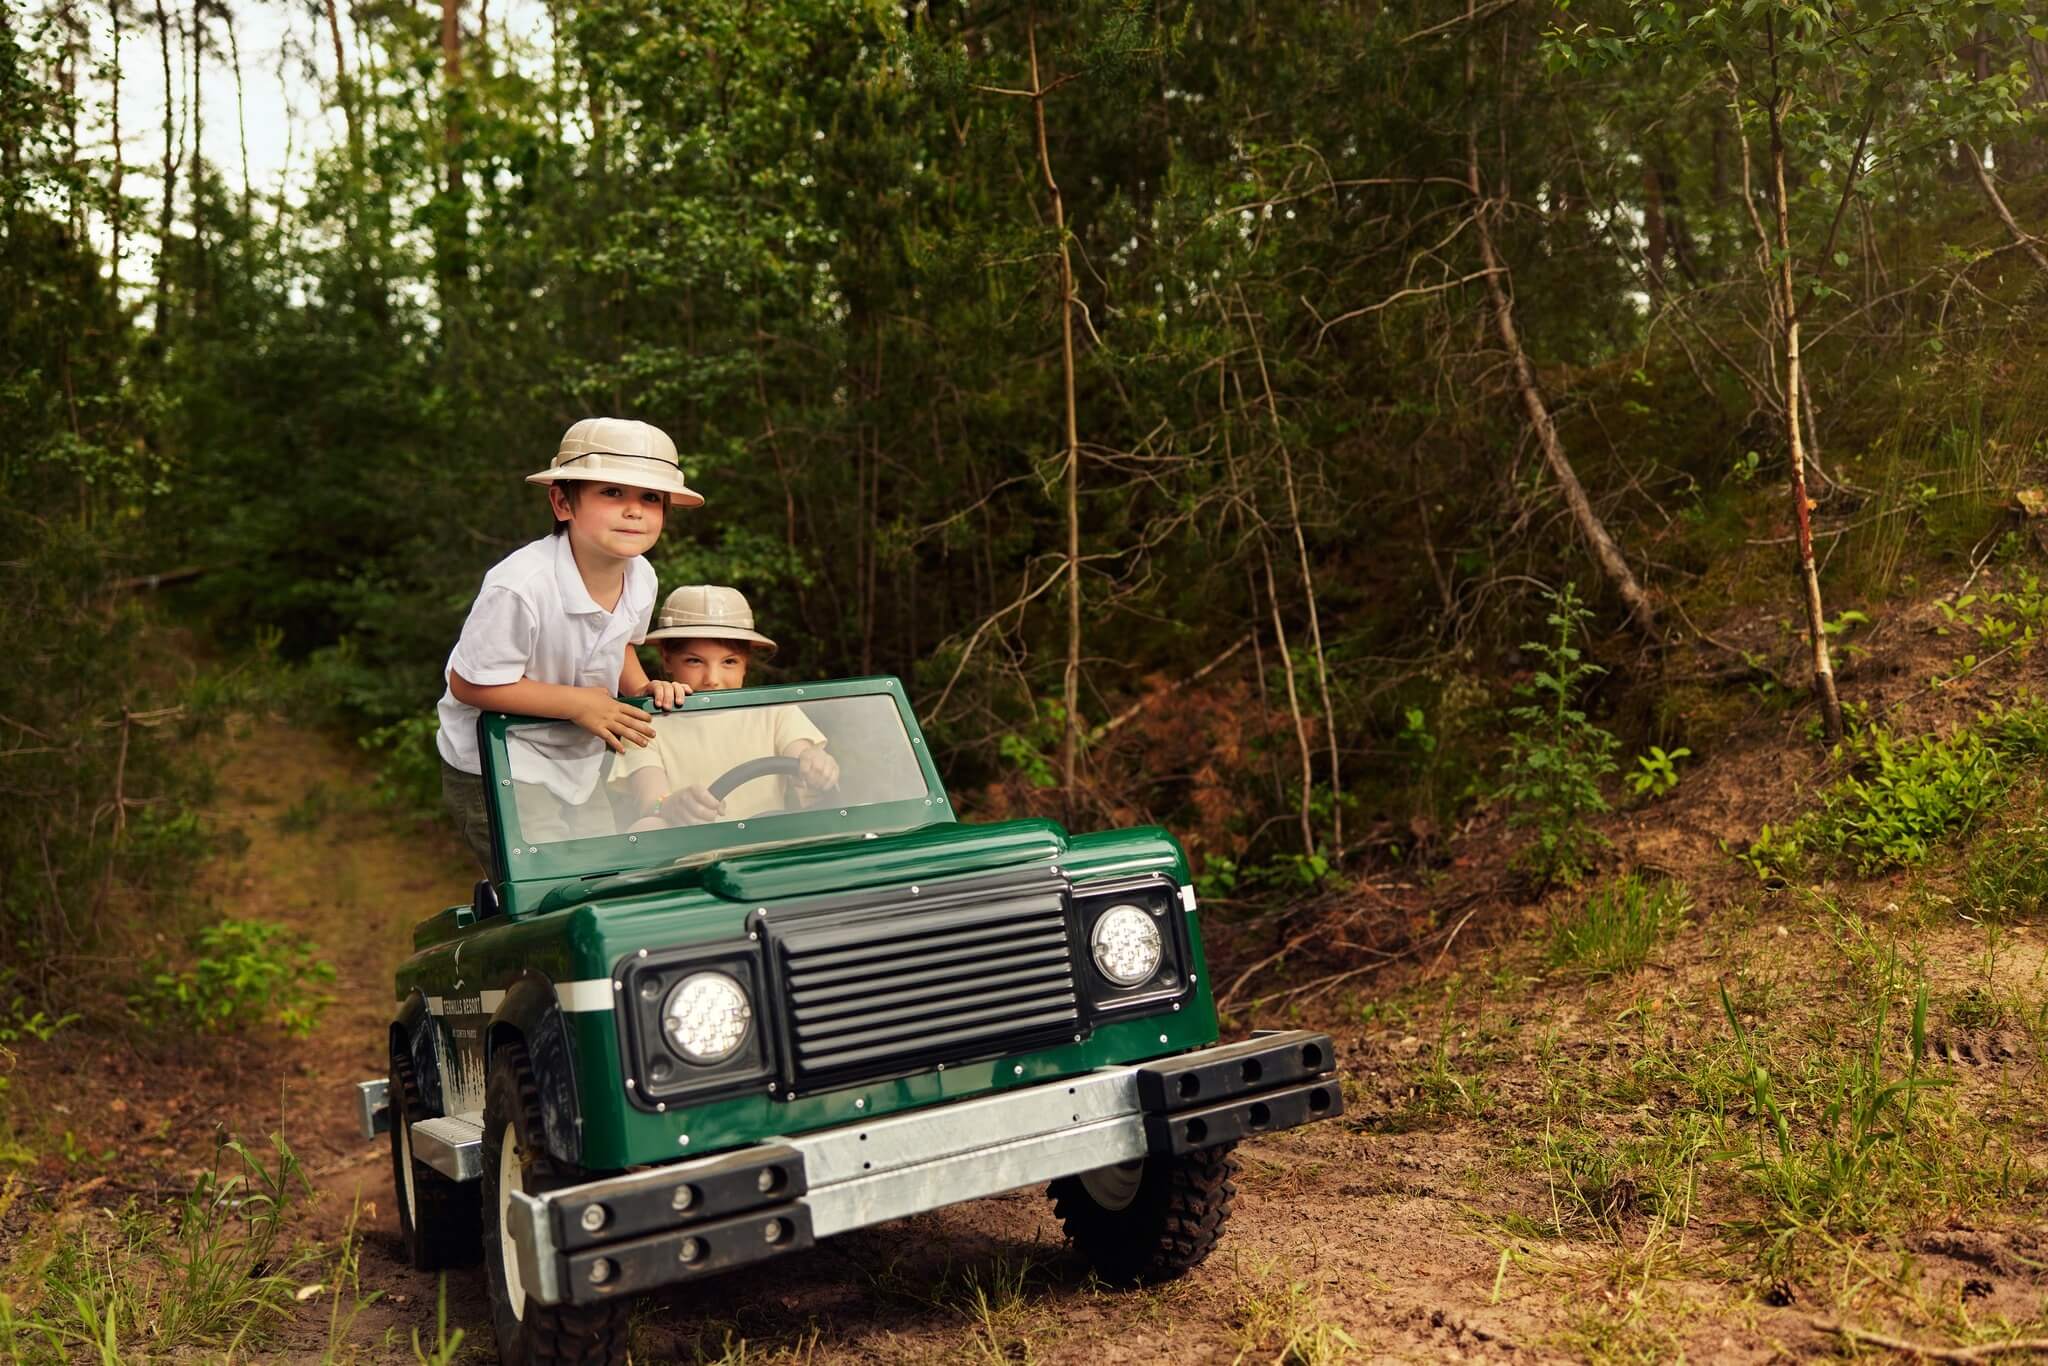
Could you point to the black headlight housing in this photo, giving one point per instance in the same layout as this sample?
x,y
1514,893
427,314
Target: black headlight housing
x,y
1158,896
657,1073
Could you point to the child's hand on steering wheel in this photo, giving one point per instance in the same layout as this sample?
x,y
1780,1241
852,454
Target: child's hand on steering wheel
x,y
816,769
691,806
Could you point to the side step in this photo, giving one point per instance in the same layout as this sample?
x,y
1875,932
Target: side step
x,y
373,1107
452,1145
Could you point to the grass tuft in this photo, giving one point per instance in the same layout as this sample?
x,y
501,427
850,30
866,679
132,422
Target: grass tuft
x,y
1613,930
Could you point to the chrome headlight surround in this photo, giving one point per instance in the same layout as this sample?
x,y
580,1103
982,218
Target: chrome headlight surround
x,y
1112,946
661,1067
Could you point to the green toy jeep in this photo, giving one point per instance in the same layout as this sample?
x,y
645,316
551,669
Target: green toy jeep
x,y
648,1053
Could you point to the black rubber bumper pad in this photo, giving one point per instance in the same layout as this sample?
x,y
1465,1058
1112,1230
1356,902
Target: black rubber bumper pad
x,y
685,1254
1268,1082
600,1213
1260,1063
1268,1112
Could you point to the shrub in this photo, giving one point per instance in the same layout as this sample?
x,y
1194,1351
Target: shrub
x,y
1556,757
1904,796
244,972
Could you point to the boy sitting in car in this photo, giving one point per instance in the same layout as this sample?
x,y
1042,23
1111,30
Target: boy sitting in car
x,y
707,639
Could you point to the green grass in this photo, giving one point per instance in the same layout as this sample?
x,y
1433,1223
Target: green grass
x,y
1613,930
212,1272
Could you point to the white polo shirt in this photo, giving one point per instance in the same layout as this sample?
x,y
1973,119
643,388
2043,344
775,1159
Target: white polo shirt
x,y
535,619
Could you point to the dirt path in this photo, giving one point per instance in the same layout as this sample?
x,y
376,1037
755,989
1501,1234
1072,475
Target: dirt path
x,y
1513,1180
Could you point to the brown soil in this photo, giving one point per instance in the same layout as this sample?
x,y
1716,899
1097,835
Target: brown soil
x,y
1425,1226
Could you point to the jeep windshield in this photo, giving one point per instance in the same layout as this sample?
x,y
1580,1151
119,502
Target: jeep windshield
x,y
721,774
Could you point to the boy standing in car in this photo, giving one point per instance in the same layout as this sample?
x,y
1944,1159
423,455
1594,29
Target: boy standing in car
x,y
553,629
707,641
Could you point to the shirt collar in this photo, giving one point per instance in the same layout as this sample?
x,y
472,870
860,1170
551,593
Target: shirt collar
x,y
576,599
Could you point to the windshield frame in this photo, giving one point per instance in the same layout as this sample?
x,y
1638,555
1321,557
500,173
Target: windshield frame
x,y
695,845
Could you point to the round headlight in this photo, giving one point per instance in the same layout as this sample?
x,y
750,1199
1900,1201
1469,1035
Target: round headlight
x,y
1126,945
706,1016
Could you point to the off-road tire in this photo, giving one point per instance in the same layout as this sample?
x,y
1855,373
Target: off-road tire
x,y
447,1227
1170,1226
535,1333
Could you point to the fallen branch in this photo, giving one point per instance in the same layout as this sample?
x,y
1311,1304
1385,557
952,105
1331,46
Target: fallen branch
x,y
1983,1352
1149,698
151,582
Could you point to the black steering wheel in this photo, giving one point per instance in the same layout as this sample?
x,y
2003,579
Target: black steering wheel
x,y
767,766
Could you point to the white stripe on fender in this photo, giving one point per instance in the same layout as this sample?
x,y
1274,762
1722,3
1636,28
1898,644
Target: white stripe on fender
x,y
592,994
1187,899
492,1000
436,1005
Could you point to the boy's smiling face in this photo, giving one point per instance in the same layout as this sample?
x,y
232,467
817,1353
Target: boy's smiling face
x,y
615,519
707,665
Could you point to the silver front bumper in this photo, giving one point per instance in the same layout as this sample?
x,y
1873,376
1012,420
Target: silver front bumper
x,y
863,1174
619,1234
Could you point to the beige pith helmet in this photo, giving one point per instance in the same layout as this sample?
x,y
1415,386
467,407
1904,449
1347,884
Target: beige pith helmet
x,y
709,611
616,450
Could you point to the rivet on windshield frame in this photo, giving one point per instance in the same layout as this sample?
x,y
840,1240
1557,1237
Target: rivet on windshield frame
x,y
842,810
1018,1070
632,839
1162,1038
860,1102
504,782
743,825
533,849
683,1140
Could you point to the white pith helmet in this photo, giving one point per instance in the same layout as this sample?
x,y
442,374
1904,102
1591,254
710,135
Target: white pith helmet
x,y
708,611
617,450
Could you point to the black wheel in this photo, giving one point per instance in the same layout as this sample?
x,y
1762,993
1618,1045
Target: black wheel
x,y
439,1220
514,1158
1151,1219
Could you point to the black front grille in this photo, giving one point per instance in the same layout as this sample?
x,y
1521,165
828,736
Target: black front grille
x,y
946,977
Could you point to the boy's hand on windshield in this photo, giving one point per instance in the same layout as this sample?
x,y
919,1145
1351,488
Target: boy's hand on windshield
x,y
816,769
691,806
610,720
667,696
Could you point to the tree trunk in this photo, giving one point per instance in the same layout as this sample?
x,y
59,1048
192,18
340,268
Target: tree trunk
x,y
451,225
1308,586
1606,554
1070,692
241,113
163,222
1802,507
1308,834
2028,243
115,216
198,291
